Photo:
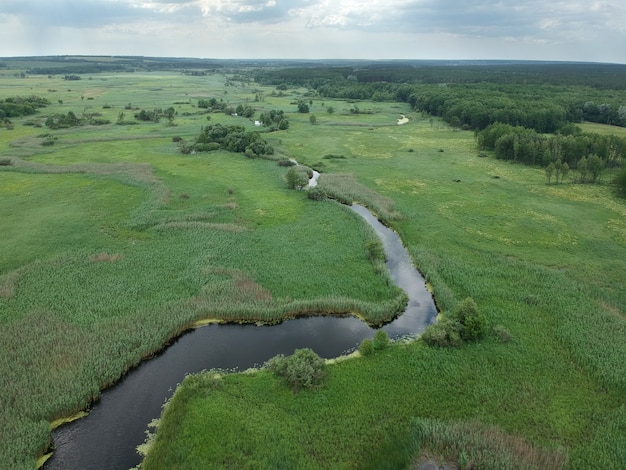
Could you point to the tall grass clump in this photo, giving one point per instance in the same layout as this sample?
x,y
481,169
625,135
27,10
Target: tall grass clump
x,y
473,445
346,189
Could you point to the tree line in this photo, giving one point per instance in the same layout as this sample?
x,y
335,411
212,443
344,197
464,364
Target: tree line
x,y
589,154
543,97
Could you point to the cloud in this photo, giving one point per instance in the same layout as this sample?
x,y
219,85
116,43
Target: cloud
x,y
503,18
71,13
250,11
345,28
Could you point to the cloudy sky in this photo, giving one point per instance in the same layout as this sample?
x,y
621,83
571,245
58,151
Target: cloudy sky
x,y
580,30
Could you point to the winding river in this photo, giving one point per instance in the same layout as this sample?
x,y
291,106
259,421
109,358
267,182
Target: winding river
x,y
108,436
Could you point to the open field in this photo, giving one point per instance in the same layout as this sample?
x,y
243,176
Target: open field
x,y
111,227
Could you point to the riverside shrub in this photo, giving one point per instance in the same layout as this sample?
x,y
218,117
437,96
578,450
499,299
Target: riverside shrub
x,y
303,369
473,321
381,340
445,333
366,348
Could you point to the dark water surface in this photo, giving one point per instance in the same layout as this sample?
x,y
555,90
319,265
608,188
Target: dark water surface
x,y
108,436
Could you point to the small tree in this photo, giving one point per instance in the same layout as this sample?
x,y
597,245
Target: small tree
x,y
303,107
170,113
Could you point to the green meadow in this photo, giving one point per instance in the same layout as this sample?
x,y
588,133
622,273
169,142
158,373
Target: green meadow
x,y
111,227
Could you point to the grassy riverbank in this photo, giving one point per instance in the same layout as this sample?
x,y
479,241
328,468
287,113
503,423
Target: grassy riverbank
x,y
545,263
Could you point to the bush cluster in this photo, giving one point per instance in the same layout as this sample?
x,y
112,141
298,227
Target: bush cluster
x,y
231,138
303,369
466,323
378,343
298,176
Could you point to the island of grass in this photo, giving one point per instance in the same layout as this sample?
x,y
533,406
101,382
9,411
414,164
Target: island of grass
x,y
114,242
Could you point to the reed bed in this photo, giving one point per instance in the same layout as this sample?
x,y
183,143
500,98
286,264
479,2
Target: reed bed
x,y
346,189
474,445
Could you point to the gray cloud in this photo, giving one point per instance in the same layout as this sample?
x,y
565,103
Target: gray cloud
x,y
72,13
503,18
346,27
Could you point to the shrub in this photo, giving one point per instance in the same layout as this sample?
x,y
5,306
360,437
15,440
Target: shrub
x,y
6,162
297,177
316,194
445,333
366,348
474,323
303,369
381,340
206,147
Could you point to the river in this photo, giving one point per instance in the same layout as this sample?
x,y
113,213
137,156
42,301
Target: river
x,y
107,438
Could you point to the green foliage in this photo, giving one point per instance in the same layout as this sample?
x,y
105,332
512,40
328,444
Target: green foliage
x,y
153,115
445,333
366,347
303,369
620,182
381,340
212,104
589,153
375,250
61,121
298,177
316,194
473,322
245,110
274,119
303,106
232,138
550,171
473,445
21,106
503,335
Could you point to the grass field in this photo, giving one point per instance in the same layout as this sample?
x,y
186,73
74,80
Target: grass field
x,y
111,227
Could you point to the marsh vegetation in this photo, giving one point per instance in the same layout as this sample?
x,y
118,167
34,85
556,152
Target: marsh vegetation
x,y
114,242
